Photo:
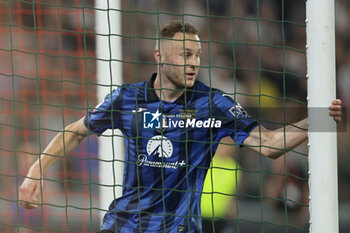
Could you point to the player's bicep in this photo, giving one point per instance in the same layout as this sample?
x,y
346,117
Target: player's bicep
x,y
78,128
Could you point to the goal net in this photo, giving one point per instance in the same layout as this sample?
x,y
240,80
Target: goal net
x,y
252,50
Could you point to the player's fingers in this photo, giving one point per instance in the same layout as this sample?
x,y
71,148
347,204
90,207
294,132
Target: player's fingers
x,y
336,102
26,192
29,206
337,119
335,113
23,194
336,110
335,107
27,203
37,192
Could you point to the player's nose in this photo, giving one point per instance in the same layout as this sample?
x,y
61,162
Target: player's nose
x,y
193,62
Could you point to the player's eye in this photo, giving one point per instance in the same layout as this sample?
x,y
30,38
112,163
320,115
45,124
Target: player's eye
x,y
188,54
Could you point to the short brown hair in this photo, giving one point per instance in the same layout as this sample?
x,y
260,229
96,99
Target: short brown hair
x,y
169,30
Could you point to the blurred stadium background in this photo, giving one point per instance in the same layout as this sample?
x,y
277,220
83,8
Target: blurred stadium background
x,y
251,48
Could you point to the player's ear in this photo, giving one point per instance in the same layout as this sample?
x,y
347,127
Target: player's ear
x,y
157,55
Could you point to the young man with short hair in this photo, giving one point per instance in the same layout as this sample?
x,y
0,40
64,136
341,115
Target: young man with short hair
x,y
172,125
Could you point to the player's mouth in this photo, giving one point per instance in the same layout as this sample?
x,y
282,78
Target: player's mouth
x,y
190,75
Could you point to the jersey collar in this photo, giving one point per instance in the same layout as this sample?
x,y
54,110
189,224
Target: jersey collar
x,y
152,96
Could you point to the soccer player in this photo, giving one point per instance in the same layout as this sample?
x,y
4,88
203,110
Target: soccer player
x,y
172,125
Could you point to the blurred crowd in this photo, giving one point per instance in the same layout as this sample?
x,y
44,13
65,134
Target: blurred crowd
x,y
254,50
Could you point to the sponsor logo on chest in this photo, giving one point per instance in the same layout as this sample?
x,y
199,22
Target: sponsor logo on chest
x,y
155,120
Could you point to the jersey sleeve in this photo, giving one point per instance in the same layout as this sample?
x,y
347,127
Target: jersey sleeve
x,y
236,122
105,115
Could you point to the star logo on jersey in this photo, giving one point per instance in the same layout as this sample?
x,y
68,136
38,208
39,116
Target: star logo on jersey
x,y
151,119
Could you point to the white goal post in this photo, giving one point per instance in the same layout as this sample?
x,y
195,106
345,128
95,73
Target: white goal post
x,y
320,27
109,74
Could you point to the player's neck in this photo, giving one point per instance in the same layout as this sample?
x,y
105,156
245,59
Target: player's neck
x,y
167,91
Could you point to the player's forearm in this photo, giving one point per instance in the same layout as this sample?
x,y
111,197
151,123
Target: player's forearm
x,y
285,139
62,144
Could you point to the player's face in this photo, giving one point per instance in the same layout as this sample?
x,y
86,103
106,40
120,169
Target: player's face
x,y
180,60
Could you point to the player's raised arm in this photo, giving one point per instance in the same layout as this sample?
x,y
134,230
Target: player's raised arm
x,y
61,144
273,143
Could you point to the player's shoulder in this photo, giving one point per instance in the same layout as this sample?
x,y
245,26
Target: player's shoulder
x,y
125,94
130,90
133,86
217,95
204,90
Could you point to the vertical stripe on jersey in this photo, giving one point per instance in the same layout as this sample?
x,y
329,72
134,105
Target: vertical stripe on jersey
x,y
155,197
134,200
174,196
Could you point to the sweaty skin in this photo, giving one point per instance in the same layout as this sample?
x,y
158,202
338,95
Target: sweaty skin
x,y
178,65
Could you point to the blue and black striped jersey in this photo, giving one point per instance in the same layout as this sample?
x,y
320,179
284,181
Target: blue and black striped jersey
x,y
169,149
